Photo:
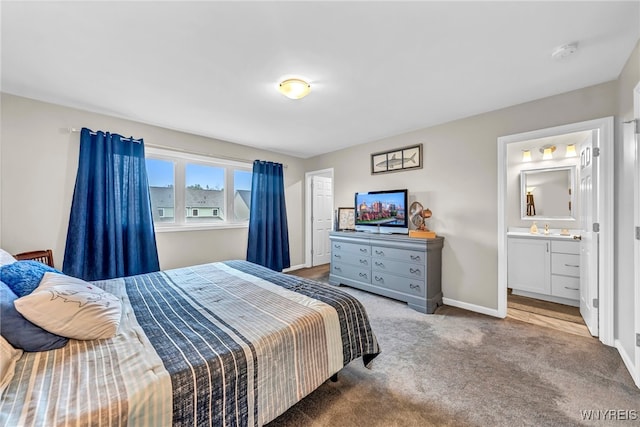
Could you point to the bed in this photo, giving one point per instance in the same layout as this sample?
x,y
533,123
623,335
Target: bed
x,y
228,343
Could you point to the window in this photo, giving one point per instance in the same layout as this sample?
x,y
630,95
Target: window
x,y
189,190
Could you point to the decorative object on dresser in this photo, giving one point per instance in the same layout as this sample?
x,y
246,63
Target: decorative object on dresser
x,y
346,219
544,267
418,215
395,266
397,160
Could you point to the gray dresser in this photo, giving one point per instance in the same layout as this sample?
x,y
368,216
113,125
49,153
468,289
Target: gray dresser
x,y
396,266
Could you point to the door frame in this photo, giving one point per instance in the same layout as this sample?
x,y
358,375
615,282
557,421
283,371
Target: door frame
x,y
605,216
636,220
308,199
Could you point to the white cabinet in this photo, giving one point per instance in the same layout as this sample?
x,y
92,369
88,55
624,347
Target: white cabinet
x,y
544,268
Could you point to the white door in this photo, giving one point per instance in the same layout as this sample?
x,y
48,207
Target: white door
x,y
322,219
589,244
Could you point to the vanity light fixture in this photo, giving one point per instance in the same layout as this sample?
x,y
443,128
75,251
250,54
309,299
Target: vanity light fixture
x,y
547,152
294,88
571,151
526,155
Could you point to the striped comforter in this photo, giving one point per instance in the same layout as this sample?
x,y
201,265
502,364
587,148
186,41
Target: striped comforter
x,y
217,344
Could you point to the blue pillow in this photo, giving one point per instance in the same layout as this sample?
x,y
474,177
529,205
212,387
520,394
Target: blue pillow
x,y
24,276
21,333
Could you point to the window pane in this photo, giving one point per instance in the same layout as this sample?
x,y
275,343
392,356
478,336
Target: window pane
x,y
204,193
161,189
241,194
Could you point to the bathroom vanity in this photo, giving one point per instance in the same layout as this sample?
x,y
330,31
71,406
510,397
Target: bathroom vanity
x,y
543,266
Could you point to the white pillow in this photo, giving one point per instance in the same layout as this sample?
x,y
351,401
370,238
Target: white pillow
x,y
72,308
8,358
6,258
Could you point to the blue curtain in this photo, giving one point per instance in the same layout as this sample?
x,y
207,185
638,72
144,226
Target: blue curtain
x,y
268,233
110,227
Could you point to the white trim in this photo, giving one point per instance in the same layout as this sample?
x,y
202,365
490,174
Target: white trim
x,y
162,228
308,257
636,218
627,359
605,216
294,268
471,307
168,153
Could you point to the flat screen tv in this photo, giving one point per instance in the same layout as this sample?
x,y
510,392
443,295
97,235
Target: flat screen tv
x,y
382,212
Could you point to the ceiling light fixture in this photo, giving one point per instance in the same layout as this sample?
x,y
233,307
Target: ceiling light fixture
x,y
571,151
294,88
547,152
526,155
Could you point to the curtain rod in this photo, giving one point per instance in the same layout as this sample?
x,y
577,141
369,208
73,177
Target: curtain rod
x,y
182,150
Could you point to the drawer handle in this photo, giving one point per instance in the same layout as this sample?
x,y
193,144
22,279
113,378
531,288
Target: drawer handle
x,y
379,279
412,286
364,275
337,256
379,252
364,261
363,250
337,268
379,264
571,265
337,246
572,289
414,271
415,257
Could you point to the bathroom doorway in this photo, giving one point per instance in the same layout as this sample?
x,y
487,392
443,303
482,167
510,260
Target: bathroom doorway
x,y
596,252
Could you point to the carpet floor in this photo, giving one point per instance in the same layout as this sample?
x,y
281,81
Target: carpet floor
x,y
459,368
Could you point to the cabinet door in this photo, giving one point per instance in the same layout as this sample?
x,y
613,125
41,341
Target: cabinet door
x,y
528,265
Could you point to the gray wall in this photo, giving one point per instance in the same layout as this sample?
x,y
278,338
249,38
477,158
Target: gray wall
x,y
459,180
39,160
624,186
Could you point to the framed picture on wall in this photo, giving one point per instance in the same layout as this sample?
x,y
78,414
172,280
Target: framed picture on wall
x,y
346,218
397,160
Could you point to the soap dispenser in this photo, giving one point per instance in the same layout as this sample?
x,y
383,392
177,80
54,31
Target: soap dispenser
x,y
546,229
534,228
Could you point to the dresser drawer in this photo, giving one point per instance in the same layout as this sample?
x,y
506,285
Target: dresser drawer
x,y
351,272
351,258
565,247
398,267
352,248
416,257
405,285
565,287
566,264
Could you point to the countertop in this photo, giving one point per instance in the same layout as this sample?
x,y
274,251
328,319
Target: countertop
x,y
554,235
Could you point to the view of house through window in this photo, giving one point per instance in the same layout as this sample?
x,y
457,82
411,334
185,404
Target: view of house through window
x,y
191,189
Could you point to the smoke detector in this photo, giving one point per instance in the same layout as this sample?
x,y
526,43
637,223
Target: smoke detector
x,y
565,50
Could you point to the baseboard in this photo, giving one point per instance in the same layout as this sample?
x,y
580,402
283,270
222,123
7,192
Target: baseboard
x,y
471,307
628,362
294,268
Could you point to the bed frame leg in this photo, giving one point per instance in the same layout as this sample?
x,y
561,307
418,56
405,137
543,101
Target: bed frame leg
x,y
334,378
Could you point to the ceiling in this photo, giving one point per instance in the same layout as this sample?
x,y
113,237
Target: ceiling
x,y
377,69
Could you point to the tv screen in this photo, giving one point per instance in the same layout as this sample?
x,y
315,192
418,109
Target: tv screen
x,y
382,211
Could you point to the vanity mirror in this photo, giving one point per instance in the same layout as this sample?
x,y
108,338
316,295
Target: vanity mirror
x,y
548,194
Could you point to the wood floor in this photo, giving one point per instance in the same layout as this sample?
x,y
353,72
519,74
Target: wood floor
x,y
542,313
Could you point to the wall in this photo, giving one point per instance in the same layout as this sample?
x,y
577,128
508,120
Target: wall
x,y
625,154
39,162
459,180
